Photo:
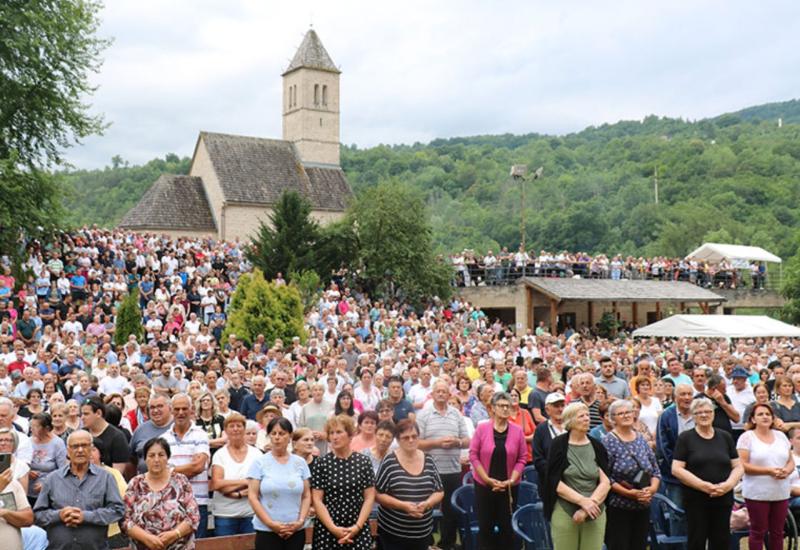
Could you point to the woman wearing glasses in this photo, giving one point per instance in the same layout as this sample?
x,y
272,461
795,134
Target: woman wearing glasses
x,y
705,461
634,476
498,454
408,488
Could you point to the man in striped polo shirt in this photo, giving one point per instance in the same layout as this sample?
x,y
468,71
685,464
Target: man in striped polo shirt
x,y
190,454
442,434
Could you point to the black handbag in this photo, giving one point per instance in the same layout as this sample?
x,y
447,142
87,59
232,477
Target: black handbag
x,y
642,478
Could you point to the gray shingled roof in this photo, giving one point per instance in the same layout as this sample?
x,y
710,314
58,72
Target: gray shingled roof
x,y
172,202
258,171
606,290
329,187
312,54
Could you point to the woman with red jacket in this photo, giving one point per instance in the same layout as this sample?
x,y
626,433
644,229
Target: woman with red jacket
x,y
497,454
139,415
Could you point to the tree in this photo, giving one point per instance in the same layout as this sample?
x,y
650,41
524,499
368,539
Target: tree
x,y
308,285
47,52
790,288
396,256
286,243
261,307
129,319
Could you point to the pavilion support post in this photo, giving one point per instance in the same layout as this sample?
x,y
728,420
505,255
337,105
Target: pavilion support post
x,y
682,307
553,317
614,314
635,313
658,311
529,309
589,314
704,307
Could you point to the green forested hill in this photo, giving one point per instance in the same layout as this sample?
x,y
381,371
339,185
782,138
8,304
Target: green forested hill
x,y
103,196
734,178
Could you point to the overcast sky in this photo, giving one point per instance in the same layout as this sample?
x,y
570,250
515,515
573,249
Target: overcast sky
x,y
420,70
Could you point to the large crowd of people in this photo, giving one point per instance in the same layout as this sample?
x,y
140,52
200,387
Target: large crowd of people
x,y
364,429
506,267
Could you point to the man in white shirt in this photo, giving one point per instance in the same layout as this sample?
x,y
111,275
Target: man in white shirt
x,y
741,395
419,393
5,379
113,382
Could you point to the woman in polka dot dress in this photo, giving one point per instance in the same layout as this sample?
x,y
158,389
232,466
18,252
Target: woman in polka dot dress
x,y
343,491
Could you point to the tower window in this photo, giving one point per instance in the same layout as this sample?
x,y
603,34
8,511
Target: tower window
x,y
324,94
316,94
295,95
320,122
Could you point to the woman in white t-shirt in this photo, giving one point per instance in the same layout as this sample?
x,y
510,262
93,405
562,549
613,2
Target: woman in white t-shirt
x,y
651,407
229,466
766,455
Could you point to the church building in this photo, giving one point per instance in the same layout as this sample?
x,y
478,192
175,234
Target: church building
x,y
234,181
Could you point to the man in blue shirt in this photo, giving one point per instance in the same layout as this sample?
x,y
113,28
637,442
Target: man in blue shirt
x,y
257,400
402,407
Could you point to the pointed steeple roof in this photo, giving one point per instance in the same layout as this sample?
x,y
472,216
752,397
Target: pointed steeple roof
x,y
312,55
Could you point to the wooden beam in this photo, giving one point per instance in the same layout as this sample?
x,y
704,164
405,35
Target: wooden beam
x,y
682,307
589,314
658,311
614,314
553,317
528,309
635,313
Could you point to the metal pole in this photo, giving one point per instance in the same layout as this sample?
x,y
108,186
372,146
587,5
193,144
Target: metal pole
x,y
655,173
522,212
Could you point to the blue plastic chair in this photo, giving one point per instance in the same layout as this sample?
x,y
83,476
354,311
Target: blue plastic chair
x,y
667,524
528,493
468,479
530,474
529,524
463,502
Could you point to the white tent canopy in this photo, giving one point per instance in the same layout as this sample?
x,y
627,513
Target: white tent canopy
x,y
734,253
717,326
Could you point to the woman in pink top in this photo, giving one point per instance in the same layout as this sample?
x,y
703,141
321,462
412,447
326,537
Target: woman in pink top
x,y
497,454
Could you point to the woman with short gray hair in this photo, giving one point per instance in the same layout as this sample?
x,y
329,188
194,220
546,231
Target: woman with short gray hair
x,y
480,409
634,476
576,484
497,453
706,463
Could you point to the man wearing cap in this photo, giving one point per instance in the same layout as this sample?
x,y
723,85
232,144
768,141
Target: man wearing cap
x,y
547,430
741,395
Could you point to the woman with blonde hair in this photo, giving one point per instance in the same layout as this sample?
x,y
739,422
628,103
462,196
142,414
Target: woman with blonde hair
x,y
207,418
576,484
229,468
140,414
58,414
343,491
303,445
73,418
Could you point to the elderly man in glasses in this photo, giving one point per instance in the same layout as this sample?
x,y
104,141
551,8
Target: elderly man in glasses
x,y
78,502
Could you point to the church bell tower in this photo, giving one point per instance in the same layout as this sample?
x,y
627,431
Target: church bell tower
x,y
311,103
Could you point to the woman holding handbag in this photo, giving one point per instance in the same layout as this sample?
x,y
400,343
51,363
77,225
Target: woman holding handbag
x,y
634,477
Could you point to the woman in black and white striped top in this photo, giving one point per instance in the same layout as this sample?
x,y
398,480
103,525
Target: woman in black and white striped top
x,y
408,488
